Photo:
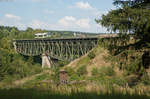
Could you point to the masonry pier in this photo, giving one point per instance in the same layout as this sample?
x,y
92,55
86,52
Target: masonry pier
x,y
46,62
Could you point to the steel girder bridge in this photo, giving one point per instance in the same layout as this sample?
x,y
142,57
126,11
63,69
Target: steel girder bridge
x,y
61,49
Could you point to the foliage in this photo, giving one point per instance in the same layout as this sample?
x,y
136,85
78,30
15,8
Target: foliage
x,y
132,20
62,63
83,61
128,20
108,71
131,3
146,79
74,77
13,65
91,55
82,70
55,75
70,71
95,71
41,77
120,81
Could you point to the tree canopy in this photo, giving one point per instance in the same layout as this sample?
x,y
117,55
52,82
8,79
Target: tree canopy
x,y
126,20
130,2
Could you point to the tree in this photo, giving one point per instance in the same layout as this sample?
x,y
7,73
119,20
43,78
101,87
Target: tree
x,y
130,2
14,32
128,20
29,30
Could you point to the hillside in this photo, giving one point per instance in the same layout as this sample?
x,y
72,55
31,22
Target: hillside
x,y
97,62
121,68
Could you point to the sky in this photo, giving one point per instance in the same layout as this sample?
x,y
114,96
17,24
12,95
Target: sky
x,y
72,15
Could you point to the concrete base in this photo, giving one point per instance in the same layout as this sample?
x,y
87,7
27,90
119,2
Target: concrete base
x,y
45,61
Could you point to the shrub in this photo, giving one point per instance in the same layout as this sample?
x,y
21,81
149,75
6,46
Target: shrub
x,y
95,71
104,43
55,75
145,79
119,81
36,68
132,80
62,63
70,71
108,71
41,77
82,70
74,77
91,55
135,67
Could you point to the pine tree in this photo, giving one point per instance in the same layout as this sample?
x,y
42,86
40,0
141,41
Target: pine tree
x,y
127,19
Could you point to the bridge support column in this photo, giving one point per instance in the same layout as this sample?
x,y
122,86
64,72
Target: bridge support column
x,y
15,47
45,61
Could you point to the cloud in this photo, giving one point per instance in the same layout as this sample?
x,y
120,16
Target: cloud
x,y
83,5
38,24
12,20
48,11
67,20
87,7
83,23
63,22
11,16
70,21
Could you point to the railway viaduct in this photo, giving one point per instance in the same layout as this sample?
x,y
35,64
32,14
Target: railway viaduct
x,y
61,49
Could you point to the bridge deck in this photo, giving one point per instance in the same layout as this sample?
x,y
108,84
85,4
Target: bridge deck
x,y
58,39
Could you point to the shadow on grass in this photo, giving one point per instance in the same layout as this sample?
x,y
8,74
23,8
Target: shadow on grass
x,y
37,94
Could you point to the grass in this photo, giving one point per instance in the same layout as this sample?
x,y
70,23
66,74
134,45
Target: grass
x,y
83,61
71,92
83,90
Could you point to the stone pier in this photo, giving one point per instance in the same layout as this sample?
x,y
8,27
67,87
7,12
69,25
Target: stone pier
x,y
45,61
15,47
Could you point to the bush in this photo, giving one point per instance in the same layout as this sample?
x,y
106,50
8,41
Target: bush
x,y
36,69
119,81
135,67
91,55
70,71
62,63
104,43
132,80
95,71
82,70
108,71
55,75
145,79
74,77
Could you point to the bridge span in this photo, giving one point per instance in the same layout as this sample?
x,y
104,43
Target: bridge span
x,y
61,49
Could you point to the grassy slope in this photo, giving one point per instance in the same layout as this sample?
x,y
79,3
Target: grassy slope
x,y
98,61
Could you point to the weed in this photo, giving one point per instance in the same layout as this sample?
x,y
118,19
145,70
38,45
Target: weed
x,y
82,70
